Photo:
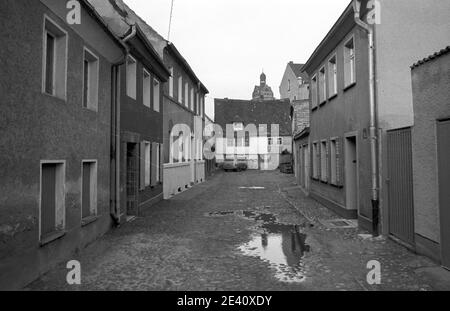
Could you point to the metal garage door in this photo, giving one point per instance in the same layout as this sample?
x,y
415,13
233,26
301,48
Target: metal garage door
x,y
400,185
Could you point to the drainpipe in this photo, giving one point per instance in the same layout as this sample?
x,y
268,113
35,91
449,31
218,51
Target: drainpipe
x,y
373,118
115,130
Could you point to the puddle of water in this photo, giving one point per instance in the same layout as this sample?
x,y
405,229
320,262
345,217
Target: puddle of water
x,y
283,246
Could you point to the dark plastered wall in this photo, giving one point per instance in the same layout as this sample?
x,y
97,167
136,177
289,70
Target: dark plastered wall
x,y
346,113
35,127
143,122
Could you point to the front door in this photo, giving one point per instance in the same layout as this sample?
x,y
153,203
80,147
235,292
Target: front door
x,y
351,173
443,142
132,179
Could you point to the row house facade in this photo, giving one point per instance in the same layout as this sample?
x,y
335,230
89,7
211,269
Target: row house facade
x,y
362,113
57,96
183,106
184,123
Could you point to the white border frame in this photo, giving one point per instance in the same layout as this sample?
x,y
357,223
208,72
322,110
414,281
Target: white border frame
x,y
96,189
44,58
85,49
64,164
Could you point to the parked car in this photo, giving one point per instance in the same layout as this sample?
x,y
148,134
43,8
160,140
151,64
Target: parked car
x,y
236,166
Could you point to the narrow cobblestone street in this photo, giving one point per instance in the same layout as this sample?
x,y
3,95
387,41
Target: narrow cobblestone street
x,y
242,231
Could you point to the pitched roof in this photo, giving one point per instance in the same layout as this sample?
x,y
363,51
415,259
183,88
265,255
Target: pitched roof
x,y
298,70
228,111
431,57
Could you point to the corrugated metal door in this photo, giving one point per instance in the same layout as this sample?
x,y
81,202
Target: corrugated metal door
x,y
400,185
443,141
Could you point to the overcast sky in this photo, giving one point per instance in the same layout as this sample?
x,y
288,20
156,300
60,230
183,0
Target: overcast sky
x,y
229,42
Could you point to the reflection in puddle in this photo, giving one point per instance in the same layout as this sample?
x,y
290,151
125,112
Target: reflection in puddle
x,y
281,245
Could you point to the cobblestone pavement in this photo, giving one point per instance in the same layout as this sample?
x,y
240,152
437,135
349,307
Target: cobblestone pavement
x,y
242,231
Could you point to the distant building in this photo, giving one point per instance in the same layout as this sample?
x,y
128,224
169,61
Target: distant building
x,y
260,147
295,83
263,91
430,144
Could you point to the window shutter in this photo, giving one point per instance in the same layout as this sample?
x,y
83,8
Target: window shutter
x,y
339,163
153,165
142,166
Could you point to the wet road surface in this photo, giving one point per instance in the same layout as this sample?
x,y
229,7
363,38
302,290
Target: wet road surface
x,y
240,231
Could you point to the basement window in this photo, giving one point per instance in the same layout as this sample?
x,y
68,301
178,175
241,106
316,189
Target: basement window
x,y
54,60
52,201
90,80
88,190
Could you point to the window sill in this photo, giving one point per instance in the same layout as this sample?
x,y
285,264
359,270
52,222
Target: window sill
x,y
314,108
324,182
50,237
54,96
336,186
323,102
88,220
332,97
351,85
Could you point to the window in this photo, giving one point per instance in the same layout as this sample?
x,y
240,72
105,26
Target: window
x,y
156,95
333,162
89,189
54,60
289,85
324,161
90,80
158,163
186,94
197,103
315,162
270,141
147,163
230,141
146,88
52,201
238,126
180,89
332,76
280,141
322,86
314,92
171,82
202,106
349,63
131,77
192,99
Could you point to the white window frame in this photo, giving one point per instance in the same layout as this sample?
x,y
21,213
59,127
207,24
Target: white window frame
x,y
156,94
59,88
94,189
146,88
131,73
332,77
60,218
315,164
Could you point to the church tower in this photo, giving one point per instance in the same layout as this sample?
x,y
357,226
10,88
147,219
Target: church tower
x,y
263,91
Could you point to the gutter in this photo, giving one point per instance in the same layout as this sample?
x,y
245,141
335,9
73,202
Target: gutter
x,y
373,119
